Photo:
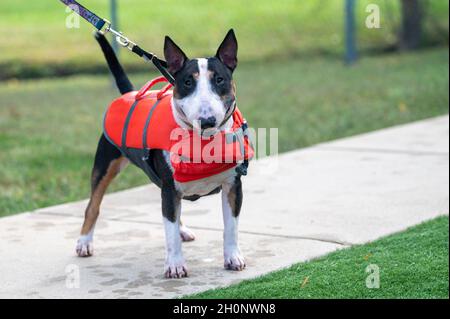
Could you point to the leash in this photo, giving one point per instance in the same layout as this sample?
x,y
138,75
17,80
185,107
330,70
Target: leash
x,y
104,26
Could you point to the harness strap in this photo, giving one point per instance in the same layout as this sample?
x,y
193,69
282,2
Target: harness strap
x,y
123,147
242,168
146,150
144,134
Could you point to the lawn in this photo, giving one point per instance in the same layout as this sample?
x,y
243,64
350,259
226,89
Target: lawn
x,y
412,264
36,41
49,128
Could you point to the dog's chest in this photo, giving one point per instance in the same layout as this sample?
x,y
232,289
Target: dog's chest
x,y
203,186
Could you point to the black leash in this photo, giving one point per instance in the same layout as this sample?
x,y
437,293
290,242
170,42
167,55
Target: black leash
x,y
104,26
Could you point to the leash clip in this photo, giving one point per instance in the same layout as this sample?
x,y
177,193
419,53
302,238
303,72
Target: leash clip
x,y
107,27
120,38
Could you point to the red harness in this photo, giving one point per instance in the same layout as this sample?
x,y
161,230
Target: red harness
x,y
140,121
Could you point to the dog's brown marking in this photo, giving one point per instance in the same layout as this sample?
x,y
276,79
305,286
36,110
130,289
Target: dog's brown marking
x,y
235,197
98,191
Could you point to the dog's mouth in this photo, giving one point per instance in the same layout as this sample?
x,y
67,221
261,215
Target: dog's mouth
x,y
209,132
195,127
204,132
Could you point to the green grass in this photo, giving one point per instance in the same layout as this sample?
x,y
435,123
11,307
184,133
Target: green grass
x,y
49,128
36,41
412,264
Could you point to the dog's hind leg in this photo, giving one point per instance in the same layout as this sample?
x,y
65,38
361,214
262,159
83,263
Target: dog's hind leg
x,y
108,163
186,233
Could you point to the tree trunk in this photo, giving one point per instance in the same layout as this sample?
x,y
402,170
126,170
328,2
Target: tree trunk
x,y
411,31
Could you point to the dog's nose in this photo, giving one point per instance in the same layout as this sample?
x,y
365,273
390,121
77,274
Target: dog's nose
x,y
206,123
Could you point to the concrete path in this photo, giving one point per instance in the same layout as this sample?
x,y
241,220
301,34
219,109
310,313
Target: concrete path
x,y
319,199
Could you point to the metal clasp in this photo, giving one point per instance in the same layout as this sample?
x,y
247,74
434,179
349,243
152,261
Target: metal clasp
x,y
107,27
120,38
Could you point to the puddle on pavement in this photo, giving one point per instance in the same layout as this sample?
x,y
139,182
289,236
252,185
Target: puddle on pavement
x,y
104,274
94,291
42,226
170,285
113,282
142,281
122,265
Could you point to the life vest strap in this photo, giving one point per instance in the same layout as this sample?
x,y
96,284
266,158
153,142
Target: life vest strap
x,y
147,123
242,168
123,147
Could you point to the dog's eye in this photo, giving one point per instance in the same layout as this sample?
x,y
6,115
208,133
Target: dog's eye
x,y
219,80
188,83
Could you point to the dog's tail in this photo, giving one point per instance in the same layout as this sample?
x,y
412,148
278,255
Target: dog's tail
x,y
122,80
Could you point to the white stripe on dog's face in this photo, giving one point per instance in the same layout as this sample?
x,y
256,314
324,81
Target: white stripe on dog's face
x,y
202,102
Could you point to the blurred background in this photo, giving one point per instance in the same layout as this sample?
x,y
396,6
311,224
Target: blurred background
x,y
295,73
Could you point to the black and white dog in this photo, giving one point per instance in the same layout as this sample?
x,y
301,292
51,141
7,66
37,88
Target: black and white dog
x,y
203,92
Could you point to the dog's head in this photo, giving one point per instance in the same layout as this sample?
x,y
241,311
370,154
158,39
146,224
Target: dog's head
x,y
204,93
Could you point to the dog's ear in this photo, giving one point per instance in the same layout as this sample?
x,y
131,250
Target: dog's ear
x,y
227,52
175,57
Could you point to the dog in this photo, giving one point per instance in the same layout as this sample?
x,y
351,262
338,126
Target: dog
x,y
204,92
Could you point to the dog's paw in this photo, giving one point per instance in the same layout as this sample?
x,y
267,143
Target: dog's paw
x,y
175,269
234,260
85,248
186,234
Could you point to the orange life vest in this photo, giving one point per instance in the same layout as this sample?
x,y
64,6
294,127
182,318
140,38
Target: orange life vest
x,y
138,122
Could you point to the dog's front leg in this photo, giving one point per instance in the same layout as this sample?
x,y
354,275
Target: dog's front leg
x,y
175,266
231,207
